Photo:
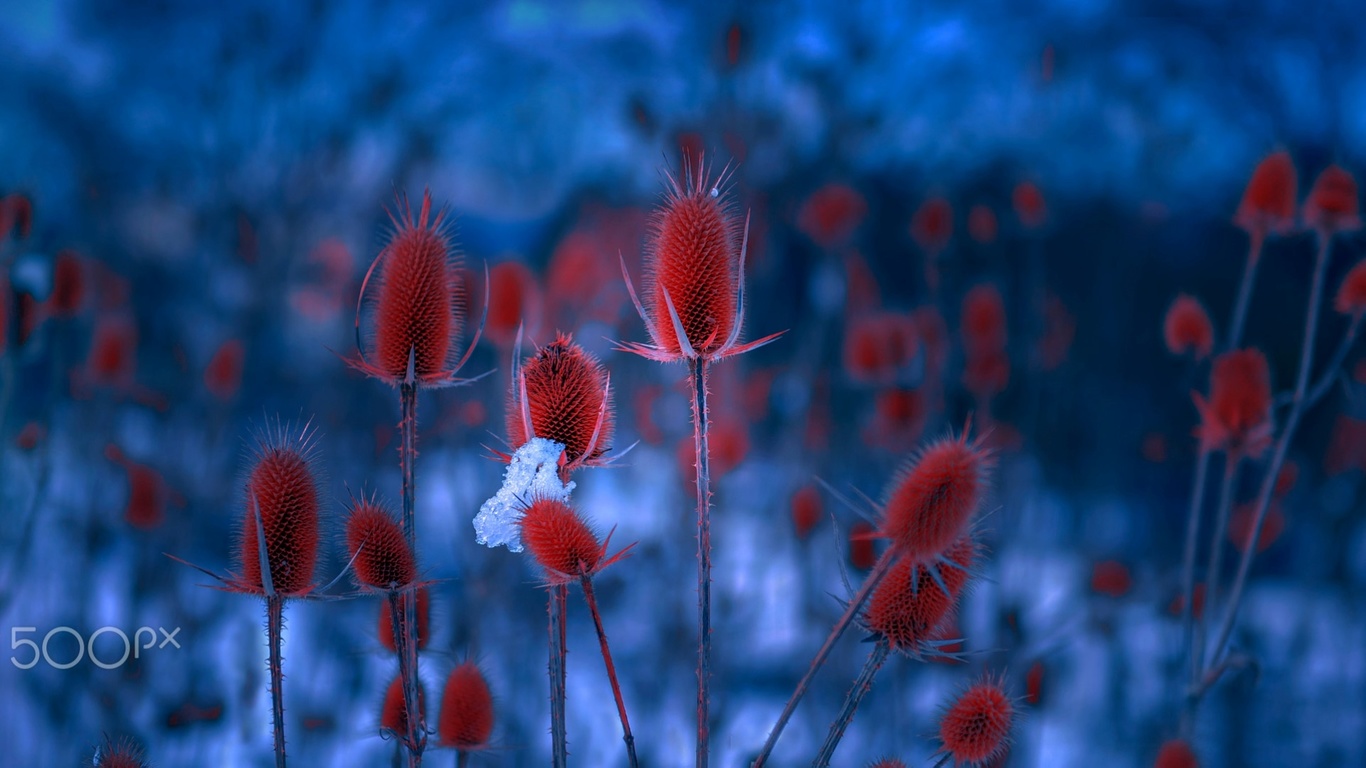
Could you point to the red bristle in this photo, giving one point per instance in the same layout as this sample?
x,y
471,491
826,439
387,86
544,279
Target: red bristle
x,y
559,539
982,224
514,301
1332,206
807,510
121,753
394,714
386,622
1237,415
419,305
384,560
862,552
908,606
887,762
1268,203
1176,754
466,720
1351,298
1029,204
223,374
831,214
284,485
932,225
1111,578
933,500
975,728
693,257
1187,328
68,285
565,387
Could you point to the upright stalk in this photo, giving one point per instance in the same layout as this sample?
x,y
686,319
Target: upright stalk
x,y
1297,406
407,452
1188,561
1216,559
884,564
862,685
626,736
698,374
559,746
275,624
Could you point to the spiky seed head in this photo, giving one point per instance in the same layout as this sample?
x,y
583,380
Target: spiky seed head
x,y
1176,753
382,558
514,300
466,720
420,304
877,345
565,390
559,539
284,483
933,500
1187,328
975,729
1268,204
908,606
1238,413
887,762
1332,206
119,753
424,612
394,714
831,214
693,257
1351,298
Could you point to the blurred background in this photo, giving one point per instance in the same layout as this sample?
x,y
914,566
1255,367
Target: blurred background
x,y
194,194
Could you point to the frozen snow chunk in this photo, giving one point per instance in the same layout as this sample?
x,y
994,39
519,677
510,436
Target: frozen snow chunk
x,y
532,474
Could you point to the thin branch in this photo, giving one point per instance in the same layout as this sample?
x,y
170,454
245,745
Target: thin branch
x,y
626,735
862,685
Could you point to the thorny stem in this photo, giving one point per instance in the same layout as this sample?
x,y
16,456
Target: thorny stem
x,y
275,622
407,453
884,564
1297,408
862,685
559,748
405,641
626,735
1216,558
1188,562
698,374
1254,254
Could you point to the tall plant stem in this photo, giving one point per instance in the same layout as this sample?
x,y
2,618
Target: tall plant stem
x,y
1254,255
862,685
407,600
1188,561
1298,405
626,735
275,624
875,577
462,759
1216,558
698,374
557,601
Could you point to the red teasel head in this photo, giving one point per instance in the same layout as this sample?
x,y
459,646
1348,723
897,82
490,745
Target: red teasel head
x,y
831,214
281,506
379,552
1187,328
560,540
1268,204
1176,753
514,301
932,225
393,715
913,602
1237,416
983,321
975,729
887,762
1351,298
1332,206
1030,207
419,307
932,501
563,394
879,345
119,753
694,305
466,719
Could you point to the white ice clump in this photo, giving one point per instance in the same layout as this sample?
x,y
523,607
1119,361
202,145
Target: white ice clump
x,y
532,474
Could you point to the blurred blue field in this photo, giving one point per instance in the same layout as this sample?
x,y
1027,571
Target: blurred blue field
x,y
219,177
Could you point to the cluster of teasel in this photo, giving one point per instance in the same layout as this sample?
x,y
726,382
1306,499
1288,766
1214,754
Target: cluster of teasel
x,y
1242,418
693,310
